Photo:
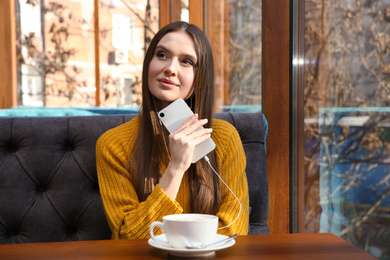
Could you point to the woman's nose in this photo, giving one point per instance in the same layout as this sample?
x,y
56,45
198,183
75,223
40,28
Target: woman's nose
x,y
171,68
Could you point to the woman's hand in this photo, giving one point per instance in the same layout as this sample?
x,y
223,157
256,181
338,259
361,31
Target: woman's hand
x,y
184,139
182,143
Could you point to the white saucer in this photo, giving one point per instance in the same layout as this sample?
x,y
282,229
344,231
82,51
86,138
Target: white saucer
x,y
193,252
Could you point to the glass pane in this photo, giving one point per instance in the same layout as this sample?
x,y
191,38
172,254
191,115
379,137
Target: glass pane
x,y
55,57
57,54
347,121
126,28
185,13
244,57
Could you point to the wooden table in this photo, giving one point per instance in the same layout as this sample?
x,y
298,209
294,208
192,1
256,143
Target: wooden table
x,y
285,246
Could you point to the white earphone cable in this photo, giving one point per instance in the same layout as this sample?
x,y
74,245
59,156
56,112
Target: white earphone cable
x,y
239,202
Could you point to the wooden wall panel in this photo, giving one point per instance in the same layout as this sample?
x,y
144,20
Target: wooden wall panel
x,y
276,107
196,13
217,32
175,10
297,205
212,30
164,12
169,11
97,53
8,91
225,93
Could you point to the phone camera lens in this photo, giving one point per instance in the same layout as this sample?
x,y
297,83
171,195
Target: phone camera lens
x,y
162,114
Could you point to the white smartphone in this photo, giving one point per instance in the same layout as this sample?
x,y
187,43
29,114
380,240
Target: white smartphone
x,y
174,115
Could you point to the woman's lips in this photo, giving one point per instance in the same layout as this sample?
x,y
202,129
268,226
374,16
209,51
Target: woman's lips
x,y
167,83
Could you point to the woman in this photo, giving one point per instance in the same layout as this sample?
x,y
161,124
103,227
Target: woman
x,y
145,174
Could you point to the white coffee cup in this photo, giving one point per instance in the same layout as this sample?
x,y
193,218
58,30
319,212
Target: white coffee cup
x,y
183,230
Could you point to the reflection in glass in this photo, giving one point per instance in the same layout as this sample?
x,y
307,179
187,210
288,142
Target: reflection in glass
x,y
56,52
347,126
126,28
245,55
54,67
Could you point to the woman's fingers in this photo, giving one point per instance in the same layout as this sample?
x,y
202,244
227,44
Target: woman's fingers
x,y
187,123
192,139
200,136
185,138
190,125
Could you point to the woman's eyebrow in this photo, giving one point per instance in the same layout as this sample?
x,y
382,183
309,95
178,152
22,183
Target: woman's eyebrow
x,y
162,47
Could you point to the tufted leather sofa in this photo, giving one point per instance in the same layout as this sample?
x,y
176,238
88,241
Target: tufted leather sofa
x,y
48,182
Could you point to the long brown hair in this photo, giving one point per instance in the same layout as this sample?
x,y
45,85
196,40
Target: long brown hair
x,y
149,150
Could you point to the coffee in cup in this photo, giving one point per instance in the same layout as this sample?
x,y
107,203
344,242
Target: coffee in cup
x,y
183,230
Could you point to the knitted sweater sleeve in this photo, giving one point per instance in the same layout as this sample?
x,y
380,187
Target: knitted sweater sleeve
x,y
126,216
231,168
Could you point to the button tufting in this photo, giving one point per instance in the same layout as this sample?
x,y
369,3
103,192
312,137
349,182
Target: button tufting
x,y
12,147
72,230
69,147
12,233
41,188
96,187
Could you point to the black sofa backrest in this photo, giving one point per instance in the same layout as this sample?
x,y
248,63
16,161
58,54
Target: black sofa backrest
x,y
48,182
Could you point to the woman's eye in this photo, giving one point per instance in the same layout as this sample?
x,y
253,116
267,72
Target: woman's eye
x,y
161,54
188,62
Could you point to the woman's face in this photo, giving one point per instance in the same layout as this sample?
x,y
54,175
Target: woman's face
x,y
172,68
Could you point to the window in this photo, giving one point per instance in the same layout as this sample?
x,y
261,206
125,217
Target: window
x,y
125,29
347,134
58,53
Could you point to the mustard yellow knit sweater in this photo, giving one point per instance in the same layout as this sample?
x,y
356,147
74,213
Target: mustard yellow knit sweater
x,y
128,218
